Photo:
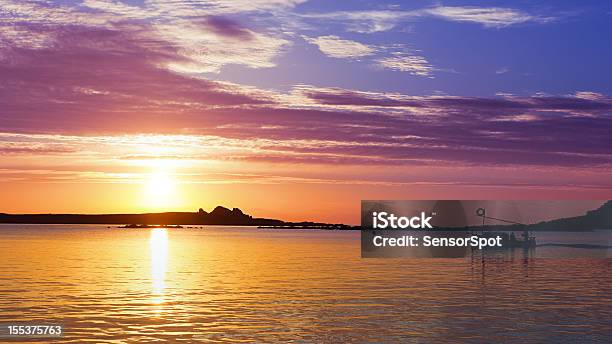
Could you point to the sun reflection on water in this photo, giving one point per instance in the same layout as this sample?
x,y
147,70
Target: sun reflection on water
x,y
159,262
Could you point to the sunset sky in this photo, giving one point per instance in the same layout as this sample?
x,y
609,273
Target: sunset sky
x,y
298,109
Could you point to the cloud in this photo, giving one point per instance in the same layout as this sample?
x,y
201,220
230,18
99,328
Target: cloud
x,y
92,87
203,37
404,62
113,77
55,91
495,17
518,118
502,70
14,148
384,20
334,46
198,7
597,106
118,8
396,57
366,21
227,28
339,97
590,96
337,133
114,80
208,46
189,8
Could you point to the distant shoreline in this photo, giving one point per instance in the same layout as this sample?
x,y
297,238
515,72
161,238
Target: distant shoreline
x,y
596,219
220,216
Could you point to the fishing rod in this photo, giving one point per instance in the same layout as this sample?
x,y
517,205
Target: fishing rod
x,y
483,213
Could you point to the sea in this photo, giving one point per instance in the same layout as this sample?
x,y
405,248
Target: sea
x,y
216,284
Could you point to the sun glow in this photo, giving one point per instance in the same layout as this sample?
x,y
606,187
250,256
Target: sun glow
x,y
160,190
160,184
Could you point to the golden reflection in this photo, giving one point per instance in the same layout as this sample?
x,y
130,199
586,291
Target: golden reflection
x,y
159,261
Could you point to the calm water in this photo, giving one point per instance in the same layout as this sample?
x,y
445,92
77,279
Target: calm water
x,y
245,285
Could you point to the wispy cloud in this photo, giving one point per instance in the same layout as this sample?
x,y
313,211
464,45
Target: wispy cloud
x,y
198,32
495,17
308,125
118,8
365,21
198,7
502,70
209,45
334,46
404,62
119,77
396,57
221,160
384,20
590,95
189,8
88,83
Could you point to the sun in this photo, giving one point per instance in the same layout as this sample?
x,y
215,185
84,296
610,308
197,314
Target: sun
x,y
160,184
160,191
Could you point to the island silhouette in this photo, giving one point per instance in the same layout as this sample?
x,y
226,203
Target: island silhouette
x,y
600,218
218,216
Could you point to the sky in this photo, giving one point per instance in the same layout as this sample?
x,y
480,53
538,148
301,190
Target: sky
x,y
298,109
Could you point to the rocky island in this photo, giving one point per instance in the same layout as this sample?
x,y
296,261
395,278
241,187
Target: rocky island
x,y
218,216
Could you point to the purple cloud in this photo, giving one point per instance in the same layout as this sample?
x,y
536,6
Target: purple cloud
x,y
118,80
225,27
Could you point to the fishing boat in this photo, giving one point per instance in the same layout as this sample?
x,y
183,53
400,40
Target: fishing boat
x,y
510,240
